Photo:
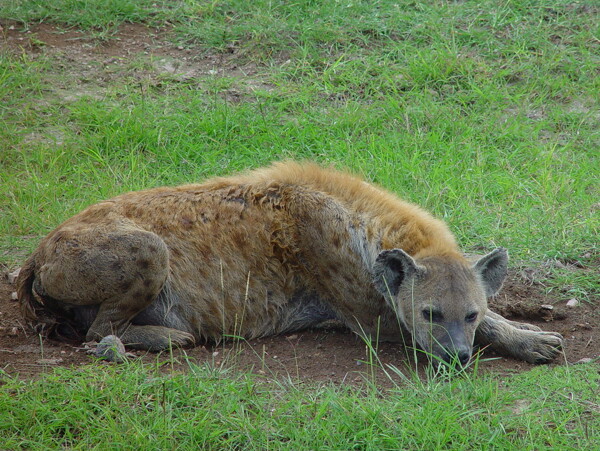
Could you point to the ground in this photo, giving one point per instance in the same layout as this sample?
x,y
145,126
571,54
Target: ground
x,y
318,355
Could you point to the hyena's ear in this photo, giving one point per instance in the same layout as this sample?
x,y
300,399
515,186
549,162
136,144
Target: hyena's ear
x,y
492,268
390,270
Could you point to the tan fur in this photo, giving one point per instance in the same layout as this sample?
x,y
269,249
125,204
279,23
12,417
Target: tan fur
x,y
269,251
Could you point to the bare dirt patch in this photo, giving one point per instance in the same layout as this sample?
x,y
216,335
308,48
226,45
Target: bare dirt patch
x,y
90,67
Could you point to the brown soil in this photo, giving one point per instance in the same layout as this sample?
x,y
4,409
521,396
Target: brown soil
x,y
137,54
317,355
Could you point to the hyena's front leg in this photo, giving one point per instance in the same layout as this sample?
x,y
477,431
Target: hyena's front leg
x,y
516,324
519,340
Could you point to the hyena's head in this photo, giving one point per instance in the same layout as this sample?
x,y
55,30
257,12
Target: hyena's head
x,y
440,300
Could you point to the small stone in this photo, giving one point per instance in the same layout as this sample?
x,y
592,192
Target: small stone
x,y
12,276
111,348
13,296
49,361
584,360
572,303
547,307
216,353
292,337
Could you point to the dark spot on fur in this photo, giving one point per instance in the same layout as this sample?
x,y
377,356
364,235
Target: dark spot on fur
x,y
240,238
138,294
57,237
332,268
131,211
336,241
147,283
186,222
125,286
117,237
152,248
134,249
144,264
215,312
237,199
317,230
273,194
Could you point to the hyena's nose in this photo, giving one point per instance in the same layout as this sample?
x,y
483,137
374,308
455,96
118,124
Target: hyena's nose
x,y
464,356
461,355
454,357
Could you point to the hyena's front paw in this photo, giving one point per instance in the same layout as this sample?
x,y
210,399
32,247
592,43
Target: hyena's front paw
x,y
539,347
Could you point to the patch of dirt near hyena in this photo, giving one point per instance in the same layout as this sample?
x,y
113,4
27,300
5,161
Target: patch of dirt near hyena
x,y
137,55
324,355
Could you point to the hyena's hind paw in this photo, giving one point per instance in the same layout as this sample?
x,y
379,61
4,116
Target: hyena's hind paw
x,y
156,338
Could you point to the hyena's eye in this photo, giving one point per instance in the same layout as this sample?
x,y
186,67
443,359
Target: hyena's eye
x,y
434,316
471,317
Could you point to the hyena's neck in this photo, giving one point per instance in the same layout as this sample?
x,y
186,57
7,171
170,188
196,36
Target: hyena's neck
x,y
336,237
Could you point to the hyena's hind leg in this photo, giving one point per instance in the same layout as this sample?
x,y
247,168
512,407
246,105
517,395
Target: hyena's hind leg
x,y
519,340
119,269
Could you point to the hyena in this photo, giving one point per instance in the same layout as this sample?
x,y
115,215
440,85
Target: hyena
x,y
267,252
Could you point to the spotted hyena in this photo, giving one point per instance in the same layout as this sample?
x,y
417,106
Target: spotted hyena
x,y
272,251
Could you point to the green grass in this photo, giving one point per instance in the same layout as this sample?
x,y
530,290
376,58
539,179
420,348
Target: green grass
x,y
137,406
485,113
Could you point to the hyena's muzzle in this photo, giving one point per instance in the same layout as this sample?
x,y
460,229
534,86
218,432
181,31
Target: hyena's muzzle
x,y
450,344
